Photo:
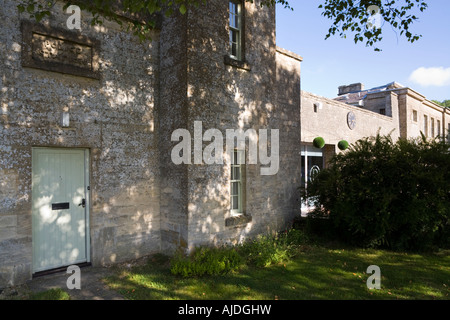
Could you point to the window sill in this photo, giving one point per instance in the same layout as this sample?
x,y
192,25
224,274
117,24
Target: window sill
x,y
236,63
237,220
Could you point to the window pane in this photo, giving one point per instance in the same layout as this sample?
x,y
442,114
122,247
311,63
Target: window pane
x,y
233,7
235,188
234,37
315,164
235,29
233,44
236,176
232,21
235,202
425,125
237,173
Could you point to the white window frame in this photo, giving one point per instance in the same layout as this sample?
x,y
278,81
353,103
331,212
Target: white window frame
x,y
237,29
237,164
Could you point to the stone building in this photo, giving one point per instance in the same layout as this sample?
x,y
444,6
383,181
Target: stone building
x,y
415,112
112,149
356,112
87,122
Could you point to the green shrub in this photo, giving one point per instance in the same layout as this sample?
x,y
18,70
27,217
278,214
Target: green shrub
x,y
319,142
343,145
272,249
264,251
206,261
385,194
261,252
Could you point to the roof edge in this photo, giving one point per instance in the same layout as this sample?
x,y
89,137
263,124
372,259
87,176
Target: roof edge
x,y
289,54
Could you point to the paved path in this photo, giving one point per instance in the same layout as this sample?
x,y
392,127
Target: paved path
x,y
92,288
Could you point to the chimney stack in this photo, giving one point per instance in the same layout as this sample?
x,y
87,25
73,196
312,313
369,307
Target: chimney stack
x,y
355,87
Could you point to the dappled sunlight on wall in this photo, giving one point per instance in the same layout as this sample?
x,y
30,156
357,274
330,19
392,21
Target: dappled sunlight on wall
x,y
113,117
225,97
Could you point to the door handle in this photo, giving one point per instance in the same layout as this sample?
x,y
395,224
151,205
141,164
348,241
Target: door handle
x,y
83,203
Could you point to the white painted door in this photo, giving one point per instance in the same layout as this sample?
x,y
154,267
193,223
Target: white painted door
x,y
60,207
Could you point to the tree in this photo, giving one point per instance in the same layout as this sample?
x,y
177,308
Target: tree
x,y
445,103
142,14
346,15
356,17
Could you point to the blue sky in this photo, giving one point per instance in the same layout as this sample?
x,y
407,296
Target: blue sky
x,y
423,65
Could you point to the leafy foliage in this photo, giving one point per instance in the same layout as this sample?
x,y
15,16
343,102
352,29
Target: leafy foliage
x,y
206,261
263,251
141,13
354,16
445,103
330,272
385,194
346,15
267,250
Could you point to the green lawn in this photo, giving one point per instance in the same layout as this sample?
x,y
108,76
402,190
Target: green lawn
x,y
52,294
316,273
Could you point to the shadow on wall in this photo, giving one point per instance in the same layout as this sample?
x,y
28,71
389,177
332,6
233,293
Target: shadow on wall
x,y
114,117
223,97
141,202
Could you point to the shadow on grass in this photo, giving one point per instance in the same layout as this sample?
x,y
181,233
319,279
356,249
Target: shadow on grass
x,y
51,294
319,273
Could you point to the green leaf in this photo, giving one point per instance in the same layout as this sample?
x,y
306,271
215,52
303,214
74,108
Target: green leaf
x,y
183,9
30,8
169,12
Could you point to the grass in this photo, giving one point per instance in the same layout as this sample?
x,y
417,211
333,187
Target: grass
x,y
23,293
320,272
51,294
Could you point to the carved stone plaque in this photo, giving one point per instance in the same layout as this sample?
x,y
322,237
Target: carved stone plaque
x,y
45,48
59,50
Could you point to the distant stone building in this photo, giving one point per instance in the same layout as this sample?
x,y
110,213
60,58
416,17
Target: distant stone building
x,y
414,111
357,112
87,122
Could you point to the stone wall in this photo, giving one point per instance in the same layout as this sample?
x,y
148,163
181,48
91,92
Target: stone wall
x,y
125,110
224,95
410,101
113,116
173,114
446,124
329,120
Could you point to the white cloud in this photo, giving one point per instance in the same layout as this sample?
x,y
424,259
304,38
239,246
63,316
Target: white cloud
x,y
434,76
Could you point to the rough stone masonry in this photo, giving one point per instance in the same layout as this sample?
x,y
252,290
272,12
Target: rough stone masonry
x,y
101,90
